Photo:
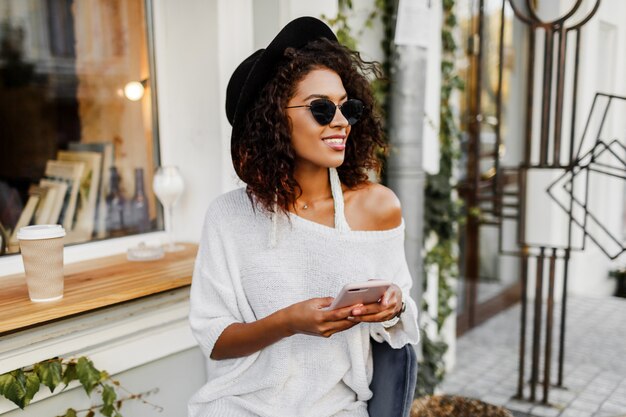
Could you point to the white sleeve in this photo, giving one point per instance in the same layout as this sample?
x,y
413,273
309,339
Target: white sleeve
x,y
406,330
213,300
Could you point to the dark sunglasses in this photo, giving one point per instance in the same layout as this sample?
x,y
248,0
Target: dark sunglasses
x,y
323,110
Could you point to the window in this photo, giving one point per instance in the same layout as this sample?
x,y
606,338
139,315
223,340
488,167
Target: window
x,y
78,143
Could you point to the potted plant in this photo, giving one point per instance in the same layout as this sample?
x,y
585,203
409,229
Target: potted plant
x,y
620,275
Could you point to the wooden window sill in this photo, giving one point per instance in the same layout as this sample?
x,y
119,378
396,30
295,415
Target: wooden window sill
x,y
94,284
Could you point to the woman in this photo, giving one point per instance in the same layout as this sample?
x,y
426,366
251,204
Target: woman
x,y
274,253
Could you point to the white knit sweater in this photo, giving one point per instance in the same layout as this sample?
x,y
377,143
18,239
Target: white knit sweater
x,y
245,272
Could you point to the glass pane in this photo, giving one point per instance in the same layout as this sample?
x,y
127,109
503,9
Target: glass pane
x,y
497,272
76,139
495,100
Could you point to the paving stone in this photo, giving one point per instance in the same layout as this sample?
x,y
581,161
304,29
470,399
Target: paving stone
x,y
600,389
517,405
451,388
544,411
590,369
503,390
611,376
494,378
571,382
586,372
562,396
496,399
584,405
572,412
605,414
509,383
472,392
577,380
463,381
610,407
604,383
463,376
617,399
481,385
592,397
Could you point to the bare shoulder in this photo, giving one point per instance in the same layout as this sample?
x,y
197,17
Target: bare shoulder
x,y
373,207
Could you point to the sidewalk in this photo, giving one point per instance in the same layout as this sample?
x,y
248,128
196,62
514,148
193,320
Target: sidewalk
x,y
595,361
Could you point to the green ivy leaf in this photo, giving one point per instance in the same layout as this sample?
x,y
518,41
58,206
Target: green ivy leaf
x,y
69,413
107,410
20,377
5,380
448,4
32,387
12,389
108,395
70,373
88,375
108,398
20,380
49,373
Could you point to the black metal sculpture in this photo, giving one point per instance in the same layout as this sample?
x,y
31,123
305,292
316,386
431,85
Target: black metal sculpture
x,y
573,158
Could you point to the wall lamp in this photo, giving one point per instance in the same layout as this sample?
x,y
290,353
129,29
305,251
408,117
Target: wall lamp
x,y
134,90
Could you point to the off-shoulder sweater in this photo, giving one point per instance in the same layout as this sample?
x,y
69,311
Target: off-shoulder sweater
x,y
250,264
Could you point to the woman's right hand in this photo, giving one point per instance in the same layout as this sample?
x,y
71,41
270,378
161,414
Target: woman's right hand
x,y
306,317
309,317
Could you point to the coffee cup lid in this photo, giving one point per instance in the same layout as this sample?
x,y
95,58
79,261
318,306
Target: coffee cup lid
x,y
41,231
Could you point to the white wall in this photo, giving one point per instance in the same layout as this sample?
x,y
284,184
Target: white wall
x,y
602,70
197,44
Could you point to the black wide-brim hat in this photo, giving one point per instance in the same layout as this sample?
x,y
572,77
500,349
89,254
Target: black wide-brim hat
x,y
256,71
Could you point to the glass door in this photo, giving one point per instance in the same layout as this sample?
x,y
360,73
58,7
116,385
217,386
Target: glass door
x,y
491,107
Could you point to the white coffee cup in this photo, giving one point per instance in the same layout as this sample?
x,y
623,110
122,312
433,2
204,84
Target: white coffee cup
x,y
42,253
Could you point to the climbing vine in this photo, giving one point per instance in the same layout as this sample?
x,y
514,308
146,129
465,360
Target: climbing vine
x,y
21,385
442,210
383,11
348,36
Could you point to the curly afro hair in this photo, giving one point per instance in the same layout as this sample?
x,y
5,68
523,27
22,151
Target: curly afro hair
x,y
264,158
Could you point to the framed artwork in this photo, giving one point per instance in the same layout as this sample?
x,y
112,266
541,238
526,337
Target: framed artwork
x,y
35,194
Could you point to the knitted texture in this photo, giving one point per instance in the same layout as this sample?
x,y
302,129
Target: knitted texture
x,y
241,276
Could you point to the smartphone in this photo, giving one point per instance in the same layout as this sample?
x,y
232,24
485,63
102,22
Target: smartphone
x,y
360,293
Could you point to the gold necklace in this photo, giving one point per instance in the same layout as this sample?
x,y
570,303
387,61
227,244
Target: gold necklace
x,y
305,206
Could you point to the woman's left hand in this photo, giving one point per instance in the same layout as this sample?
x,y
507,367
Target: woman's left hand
x,y
386,309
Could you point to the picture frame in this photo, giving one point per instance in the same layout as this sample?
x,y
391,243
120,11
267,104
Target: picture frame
x,y
70,172
107,150
35,194
87,198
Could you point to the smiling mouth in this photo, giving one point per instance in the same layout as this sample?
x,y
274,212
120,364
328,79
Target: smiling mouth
x,y
334,141
336,144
